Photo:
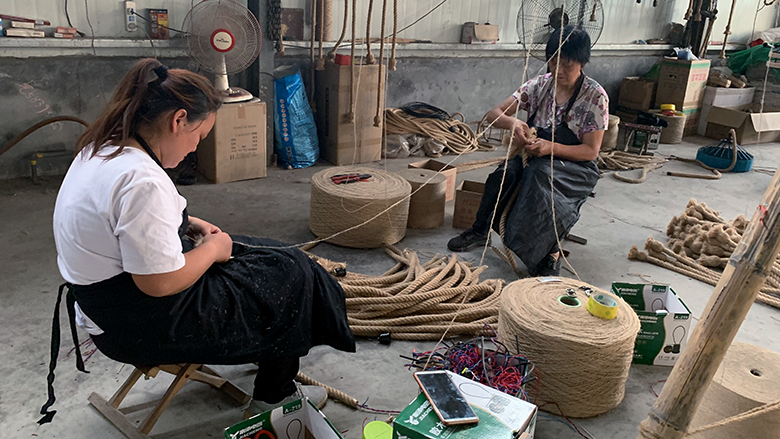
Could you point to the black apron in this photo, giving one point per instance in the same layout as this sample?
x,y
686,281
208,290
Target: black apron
x,y
264,303
529,228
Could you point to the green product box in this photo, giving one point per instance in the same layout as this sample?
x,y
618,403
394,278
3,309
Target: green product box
x,y
501,416
665,321
298,419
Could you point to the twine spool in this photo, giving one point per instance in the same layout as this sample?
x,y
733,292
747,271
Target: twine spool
x,y
426,208
609,141
748,377
338,207
674,132
582,360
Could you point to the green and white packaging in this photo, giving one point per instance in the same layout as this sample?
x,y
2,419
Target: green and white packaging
x,y
298,419
501,416
665,321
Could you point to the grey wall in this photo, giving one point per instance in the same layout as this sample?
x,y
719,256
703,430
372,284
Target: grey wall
x,y
473,86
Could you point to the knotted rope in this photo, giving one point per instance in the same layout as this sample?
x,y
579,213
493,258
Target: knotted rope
x,y
332,54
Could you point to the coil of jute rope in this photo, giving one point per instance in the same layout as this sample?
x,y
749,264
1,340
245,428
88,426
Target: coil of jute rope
x,y
338,207
583,360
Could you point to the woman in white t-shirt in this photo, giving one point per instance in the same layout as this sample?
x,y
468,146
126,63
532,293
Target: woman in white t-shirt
x,y
145,294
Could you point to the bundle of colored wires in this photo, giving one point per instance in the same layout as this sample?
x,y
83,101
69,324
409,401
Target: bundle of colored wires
x,y
494,367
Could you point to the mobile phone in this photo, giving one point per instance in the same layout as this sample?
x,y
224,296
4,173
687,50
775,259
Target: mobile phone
x,y
449,404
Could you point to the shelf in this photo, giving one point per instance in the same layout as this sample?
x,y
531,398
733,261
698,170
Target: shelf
x,y
44,47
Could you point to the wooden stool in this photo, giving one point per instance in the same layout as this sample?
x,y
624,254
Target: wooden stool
x,y
184,372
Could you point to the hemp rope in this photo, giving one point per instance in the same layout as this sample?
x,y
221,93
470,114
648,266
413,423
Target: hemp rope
x,y
456,135
351,115
370,59
698,239
391,63
378,116
312,65
339,207
583,361
421,301
336,394
321,30
476,164
716,174
623,161
332,54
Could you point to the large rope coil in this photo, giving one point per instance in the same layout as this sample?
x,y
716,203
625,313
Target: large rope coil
x,y
456,135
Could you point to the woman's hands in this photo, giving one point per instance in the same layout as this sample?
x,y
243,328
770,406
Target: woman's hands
x,y
540,148
212,236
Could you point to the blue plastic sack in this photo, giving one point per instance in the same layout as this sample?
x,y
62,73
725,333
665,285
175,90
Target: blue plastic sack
x,y
295,134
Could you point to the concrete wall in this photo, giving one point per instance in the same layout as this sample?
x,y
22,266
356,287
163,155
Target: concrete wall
x,y
473,86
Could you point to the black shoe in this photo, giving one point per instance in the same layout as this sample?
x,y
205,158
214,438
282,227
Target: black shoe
x,y
467,240
548,266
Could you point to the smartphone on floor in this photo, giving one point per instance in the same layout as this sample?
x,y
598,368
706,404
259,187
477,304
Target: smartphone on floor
x,y
449,404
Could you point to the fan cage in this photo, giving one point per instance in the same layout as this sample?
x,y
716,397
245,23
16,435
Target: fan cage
x,y
538,19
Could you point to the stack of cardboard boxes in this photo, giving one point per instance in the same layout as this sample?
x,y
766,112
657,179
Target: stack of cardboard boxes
x,y
682,83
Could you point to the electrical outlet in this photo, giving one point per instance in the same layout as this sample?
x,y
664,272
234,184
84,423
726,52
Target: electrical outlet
x,y
130,18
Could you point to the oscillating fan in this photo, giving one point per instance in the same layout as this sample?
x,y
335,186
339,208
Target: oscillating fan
x,y
224,38
538,19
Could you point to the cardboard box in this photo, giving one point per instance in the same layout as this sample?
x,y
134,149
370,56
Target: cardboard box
x,y
747,121
722,97
235,148
636,93
501,416
692,120
475,33
682,83
343,142
665,322
467,199
448,171
298,419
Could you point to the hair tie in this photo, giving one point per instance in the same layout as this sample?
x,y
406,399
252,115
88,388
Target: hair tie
x,y
162,72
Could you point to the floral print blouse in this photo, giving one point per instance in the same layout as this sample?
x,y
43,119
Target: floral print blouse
x,y
589,113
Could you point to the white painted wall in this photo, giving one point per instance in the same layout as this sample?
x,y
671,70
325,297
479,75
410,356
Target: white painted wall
x,y
625,21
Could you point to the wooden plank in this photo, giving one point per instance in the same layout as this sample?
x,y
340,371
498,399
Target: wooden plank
x,y
115,417
181,379
229,387
120,394
750,264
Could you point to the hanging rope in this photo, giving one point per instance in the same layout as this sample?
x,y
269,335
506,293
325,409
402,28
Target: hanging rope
x,y
311,51
321,33
380,76
332,53
370,56
351,115
391,63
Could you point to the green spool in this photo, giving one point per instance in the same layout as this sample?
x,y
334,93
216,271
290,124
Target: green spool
x,y
378,430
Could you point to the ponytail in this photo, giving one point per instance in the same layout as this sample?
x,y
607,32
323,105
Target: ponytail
x,y
147,92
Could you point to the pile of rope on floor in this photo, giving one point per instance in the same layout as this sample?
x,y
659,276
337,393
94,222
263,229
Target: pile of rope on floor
x,y
625,161
421,300
701,242
434,123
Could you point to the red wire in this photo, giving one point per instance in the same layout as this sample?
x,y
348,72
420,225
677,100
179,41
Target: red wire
x,y
652,387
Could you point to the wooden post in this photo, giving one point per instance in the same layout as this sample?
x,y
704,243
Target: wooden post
x,y
739,286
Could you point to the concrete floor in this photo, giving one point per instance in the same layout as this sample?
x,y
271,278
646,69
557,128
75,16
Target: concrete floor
x,y
620,216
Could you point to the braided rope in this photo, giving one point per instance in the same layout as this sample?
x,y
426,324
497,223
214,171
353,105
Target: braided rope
x,y
378,115
391,63
332,54
336,394
312,65
370,59
351,114
321,31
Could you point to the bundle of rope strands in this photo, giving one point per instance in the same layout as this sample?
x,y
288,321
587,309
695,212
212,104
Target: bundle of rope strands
x,y
484,360
625,161
353,214
421,301
582,360
700,241
429,121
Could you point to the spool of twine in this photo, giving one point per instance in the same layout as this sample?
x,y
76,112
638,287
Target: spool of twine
x,y
609,141
426,207
748,377
339,207
674,132
582,360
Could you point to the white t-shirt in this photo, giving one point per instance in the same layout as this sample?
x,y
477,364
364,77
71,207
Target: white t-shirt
x,y
116,215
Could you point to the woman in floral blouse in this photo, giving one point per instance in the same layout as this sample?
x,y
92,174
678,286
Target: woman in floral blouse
x,y
570,113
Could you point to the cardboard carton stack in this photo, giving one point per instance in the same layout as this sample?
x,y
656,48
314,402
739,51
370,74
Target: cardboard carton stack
x,y
682,83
